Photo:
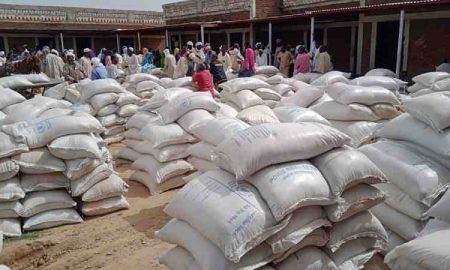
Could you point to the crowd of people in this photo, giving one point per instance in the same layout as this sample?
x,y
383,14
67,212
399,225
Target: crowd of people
x,y
206,66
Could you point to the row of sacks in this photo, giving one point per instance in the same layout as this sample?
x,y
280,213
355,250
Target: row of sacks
x,y
414,155
50,154
104,99
274,200
159,135
429,82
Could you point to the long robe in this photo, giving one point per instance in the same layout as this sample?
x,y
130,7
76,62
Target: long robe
x,y
285,59
86,67
182,68
133,65
225,60
53,66
324,64
169,64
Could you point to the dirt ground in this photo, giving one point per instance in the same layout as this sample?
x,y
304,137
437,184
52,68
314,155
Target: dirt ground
x,y
121,240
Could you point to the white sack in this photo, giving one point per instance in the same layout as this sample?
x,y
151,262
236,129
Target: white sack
x,y
43,182
76,168
303,97
330,78
193,118
11,209
267,70
41,201
160,136
363,224
141,119
133,134
39,161
179,258
431,109
355,253
163,97
161,172
92,88
201,150
102,100
52,218
267,94
139,77
348,94
385,111
9,97
202,165
127,98
232,216
242,99
360,132
257,115
309,258
353,200
39,132
333,110
217,130
394,240
83,184
113,130
8,169
429,78
381,81
397,222
154,188
297,114
110,187
441,209
417,175
75,146
226,111
9,147
107,110
306,187
260,146
14,82
128,154
10,227
441,85
105,206
303,222
127,110
346,167
240,84
164,154
11,190
380,72
402,202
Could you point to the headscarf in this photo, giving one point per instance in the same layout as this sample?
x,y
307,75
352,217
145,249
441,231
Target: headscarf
x,y
198,43
166,52
2,53
46,50
131,49
96,62
55,52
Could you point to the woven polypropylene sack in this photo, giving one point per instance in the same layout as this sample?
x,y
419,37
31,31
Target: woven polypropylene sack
x,y
356,199
161,136
240,84
163,97
9,97
360,132
201,150
355,253
127,110
267,94
303,222
429,78
41,201
14,82
164,154
128,154
242,99
330,78
257,115
92,88
39,132
201,200
430,109
11,227
226,111
161,172
288,186
43,182
76,168
8,169
440,209
333,110
289,114
179,258
397,222
11,190
13,209
39,161
141,119
193,118
385,111
83,184
153,187
182,104
9,147
346,167
206,254
402,202
381,81
309,258
260,146
102,100
52,218
363,224
348,94
110,187
380,72
417,175
215,131
441,85
303,97
75,146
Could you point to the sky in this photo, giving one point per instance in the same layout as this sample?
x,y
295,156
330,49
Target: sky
x,y
155,5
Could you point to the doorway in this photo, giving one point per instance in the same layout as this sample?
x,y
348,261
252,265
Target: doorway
x,y
82,42
386,49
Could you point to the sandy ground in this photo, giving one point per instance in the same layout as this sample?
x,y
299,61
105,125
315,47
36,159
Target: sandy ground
x,y
121,240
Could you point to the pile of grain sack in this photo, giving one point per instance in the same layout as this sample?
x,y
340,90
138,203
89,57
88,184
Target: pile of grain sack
x,y
52,162
259,196
105,99
414,154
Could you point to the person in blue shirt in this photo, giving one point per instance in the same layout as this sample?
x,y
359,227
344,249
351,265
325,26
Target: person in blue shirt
x,y
98,69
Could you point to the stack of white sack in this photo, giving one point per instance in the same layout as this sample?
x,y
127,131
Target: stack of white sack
x,y
165,137
112,104
65,150
143,85
358,111
429,82
416,160
266,71
22,81
268,203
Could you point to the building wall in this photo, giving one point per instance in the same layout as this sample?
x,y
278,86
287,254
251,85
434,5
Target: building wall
x,y
429,41
154,43
105,42
234,16
268,8
338,43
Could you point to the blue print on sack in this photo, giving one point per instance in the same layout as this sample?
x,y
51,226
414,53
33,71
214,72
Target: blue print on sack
x,y
42,126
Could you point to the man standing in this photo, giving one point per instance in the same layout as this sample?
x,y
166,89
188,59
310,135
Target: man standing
x,y
133,66
85,62
73,71
224,58
52,64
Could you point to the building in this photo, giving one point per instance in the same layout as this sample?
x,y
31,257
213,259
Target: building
x,y
76,28
360,34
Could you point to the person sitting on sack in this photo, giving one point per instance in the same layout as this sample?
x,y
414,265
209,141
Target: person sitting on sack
x,y
203,79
